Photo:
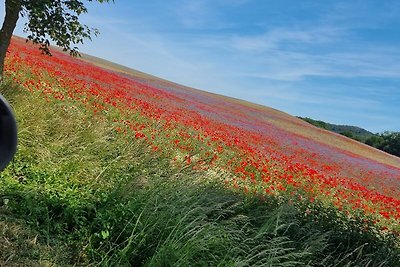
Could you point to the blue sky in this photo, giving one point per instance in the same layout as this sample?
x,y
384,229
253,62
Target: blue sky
x,y
337,61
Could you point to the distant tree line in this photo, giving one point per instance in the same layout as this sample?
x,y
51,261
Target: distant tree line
x,y
386,141
320,124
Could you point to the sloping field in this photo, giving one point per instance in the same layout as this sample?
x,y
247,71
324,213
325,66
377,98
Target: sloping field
x,y
327,152
257,113
263,150
119,168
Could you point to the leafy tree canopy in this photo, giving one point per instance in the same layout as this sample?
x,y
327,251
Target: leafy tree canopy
x,y
56,20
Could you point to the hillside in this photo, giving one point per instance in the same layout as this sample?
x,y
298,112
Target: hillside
x,y
387,141
116,167
258,114
357,133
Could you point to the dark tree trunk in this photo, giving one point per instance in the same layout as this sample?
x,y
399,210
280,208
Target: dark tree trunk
x,y
13,7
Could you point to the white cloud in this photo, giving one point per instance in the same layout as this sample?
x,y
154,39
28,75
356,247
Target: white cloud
x,y
292,66
204,14
277,37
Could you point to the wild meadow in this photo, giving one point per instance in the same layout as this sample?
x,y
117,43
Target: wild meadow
x,y
121,170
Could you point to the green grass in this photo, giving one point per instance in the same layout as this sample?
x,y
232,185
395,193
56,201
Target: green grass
x,y
80,194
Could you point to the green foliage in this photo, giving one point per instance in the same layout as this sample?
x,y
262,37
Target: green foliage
x,y
348,134
319,124
386,141
353,132
56,20
79,193
375,141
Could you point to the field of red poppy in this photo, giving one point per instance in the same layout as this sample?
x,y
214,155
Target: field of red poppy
x,y
204,130
259,150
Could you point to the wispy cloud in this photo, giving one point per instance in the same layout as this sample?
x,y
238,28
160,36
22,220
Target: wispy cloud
x,y
204,14
277,38
195,14
295,66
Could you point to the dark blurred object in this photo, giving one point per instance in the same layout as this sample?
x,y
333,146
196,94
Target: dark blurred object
x,y
8,133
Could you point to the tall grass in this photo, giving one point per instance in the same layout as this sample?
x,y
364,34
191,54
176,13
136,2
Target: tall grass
x,y
80,193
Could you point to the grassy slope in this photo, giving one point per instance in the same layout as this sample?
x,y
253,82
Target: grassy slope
x,y
278,118
80,193
63,205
